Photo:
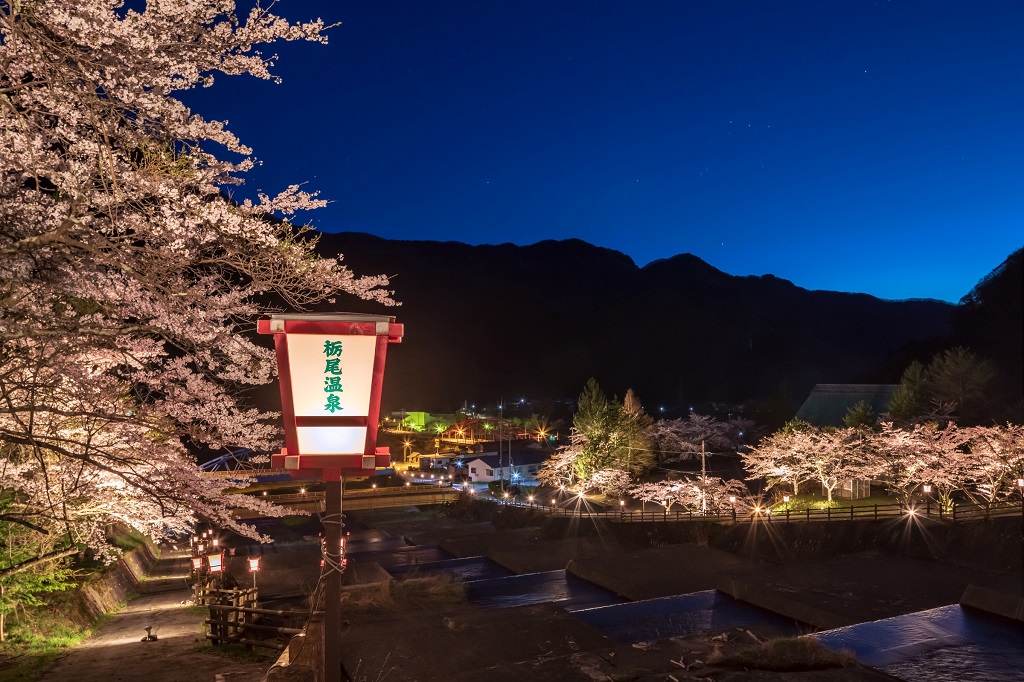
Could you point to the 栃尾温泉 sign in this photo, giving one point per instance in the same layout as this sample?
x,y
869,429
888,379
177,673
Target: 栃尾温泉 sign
x,y
331,376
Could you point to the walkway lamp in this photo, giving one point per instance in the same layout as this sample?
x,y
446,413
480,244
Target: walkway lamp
x,y
216,562
254,568
197,564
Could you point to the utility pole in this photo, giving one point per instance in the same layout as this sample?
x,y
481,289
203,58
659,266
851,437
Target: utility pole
x,y
501,421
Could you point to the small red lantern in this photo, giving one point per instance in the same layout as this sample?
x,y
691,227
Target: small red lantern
x,y
254,564
216,562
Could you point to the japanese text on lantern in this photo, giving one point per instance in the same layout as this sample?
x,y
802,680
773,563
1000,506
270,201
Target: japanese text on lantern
x,y
332,375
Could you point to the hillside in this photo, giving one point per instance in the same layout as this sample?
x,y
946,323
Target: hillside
x,y
484,322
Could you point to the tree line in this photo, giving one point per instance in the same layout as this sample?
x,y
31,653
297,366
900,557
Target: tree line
x,y
614,447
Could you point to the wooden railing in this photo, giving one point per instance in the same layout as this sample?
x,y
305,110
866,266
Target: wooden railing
x,y
960,511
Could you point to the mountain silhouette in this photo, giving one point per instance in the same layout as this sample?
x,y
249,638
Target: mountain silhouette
x,y
492,321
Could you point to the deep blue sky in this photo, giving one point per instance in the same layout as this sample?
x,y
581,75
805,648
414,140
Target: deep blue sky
x,y
856,146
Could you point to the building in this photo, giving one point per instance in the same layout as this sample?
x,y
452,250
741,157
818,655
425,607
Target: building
x,y
487,467
828,404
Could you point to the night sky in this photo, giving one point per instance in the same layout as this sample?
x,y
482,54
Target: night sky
x,y
860,146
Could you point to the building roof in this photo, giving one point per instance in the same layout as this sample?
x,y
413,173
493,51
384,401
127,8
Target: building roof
x,y
828,403
523,458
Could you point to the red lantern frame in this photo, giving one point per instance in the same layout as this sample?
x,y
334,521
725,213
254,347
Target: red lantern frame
x,y
330,466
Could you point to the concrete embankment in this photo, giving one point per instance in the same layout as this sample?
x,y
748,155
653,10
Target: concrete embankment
x,y
111,590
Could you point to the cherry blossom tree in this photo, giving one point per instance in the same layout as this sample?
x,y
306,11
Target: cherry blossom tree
x,y
828,456
779,458
612,482
996,460
895,457
945,463
128,276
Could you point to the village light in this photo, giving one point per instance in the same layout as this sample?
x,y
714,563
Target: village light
x,y
200,547
216,563
407,484
732,499
785,498
302,491
197,563
927,488
622,503
373,485
216,542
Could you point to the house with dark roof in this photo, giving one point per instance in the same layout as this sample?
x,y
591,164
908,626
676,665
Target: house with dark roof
x,y
828,404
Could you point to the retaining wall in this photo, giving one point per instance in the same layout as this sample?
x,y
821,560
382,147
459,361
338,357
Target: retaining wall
x,y
114,587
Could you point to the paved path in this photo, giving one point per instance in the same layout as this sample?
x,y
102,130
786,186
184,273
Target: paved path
x,y
116,652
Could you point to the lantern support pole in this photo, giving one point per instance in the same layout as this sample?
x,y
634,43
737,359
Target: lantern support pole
x,y
332,590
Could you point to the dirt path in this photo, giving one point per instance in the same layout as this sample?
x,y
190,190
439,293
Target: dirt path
x,y
116,652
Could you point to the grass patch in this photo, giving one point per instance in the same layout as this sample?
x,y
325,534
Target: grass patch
x,y
799,503
413,593
237,652
785,654
34,643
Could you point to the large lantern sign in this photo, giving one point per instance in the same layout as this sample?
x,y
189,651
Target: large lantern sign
x,y
331,368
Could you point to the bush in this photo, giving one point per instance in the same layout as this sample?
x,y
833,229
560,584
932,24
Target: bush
x,y
785,654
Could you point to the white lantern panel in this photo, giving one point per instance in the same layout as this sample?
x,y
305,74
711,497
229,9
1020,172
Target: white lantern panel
x,y
331,440
331,375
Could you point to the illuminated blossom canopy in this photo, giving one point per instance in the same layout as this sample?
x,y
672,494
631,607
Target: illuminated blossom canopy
x,y
129,278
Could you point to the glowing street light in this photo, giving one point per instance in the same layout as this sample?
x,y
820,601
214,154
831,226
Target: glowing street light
x,y
216,562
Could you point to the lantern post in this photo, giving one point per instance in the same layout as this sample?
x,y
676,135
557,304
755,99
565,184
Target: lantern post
x,y
331,371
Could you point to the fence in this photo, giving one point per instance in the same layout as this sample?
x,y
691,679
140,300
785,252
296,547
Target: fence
x,y
234,615
958,512
377,499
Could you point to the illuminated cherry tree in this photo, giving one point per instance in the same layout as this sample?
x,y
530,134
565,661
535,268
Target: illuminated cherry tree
x,y
827,456
896,457
128,276
996,460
